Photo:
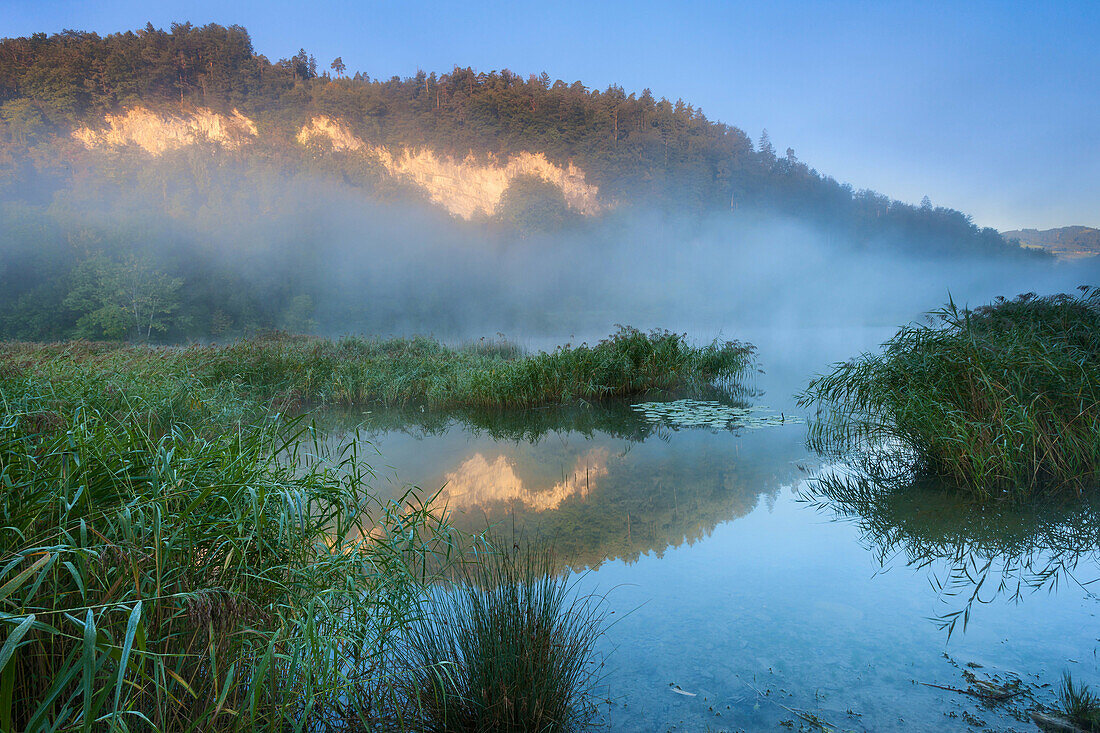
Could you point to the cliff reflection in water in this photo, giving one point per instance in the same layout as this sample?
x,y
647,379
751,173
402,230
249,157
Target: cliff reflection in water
x,y
597,483
479,483
975,554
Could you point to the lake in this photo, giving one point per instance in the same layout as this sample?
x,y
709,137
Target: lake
x,y
739,595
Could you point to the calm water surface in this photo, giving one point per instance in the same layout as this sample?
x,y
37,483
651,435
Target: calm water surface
x,y
724,582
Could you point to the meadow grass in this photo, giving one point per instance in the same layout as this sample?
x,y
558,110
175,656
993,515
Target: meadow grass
x,y
391,372
509,648
1002,401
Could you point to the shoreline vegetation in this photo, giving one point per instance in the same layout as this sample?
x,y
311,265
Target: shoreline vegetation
x,y
397,372
176,555
167,580
1002,401
508,648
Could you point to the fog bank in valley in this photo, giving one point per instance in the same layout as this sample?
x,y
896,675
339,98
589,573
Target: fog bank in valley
x,y
317,256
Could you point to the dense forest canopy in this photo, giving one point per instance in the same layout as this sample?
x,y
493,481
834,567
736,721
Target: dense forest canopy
x,y
83,231
629,144
50,83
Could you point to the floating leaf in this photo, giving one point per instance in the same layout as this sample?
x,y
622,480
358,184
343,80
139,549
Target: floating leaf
x,y
711,414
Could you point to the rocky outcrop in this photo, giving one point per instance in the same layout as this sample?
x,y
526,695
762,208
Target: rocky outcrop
x,y
464,187
326,128
156,132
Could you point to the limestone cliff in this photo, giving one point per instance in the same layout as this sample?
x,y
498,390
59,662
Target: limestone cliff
x,y
336,133
464,187
157,132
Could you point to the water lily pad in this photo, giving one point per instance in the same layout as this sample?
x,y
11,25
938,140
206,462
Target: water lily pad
x,y
711,414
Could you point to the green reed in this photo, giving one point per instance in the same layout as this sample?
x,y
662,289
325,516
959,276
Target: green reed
x,y
401,372
159,576
509,649
423,372
1081,707
1000,401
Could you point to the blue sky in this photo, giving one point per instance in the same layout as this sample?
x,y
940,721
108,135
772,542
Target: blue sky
x,y
989,107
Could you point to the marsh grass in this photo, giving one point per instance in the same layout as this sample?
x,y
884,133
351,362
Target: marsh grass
x,y
419,371
413,372
1080,706
153,575
171,558
1000,401
508,649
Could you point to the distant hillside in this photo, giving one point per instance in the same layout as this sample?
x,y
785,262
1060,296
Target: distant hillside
x,y
1064,242
178,185
458,138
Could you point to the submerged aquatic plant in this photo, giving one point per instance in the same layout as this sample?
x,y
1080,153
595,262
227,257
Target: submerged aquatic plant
x,y
1000,401
509,649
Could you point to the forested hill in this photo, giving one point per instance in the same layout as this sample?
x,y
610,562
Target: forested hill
x,y
175,185
634,148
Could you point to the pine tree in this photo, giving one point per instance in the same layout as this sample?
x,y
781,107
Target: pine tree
x,y
765,147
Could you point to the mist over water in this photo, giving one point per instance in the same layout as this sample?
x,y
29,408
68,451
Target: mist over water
x,y
407,268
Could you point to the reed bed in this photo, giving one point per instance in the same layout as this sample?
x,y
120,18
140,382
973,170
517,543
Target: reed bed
x,y
417,372
173,558
1002,401
154,577
424,372
508,649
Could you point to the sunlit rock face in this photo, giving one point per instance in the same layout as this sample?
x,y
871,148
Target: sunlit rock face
x,y
480,482
336,133
464,187
157,133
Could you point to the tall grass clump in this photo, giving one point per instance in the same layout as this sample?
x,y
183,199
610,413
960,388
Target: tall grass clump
x,y
1001,401
150,386
1080,706
508,648
170,580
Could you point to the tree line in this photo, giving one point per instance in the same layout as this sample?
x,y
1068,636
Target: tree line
x,y
643,152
